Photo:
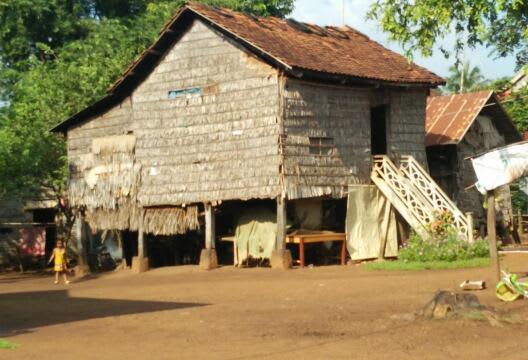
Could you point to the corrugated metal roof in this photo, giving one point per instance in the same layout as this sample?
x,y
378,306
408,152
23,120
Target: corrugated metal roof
x,y
449,117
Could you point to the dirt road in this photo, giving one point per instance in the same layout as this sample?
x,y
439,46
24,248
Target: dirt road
x,y
183,313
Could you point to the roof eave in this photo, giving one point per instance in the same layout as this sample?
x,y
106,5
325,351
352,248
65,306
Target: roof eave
x,y
445,143
343,79
92,110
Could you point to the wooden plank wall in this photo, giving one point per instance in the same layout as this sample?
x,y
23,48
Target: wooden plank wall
x,y
221,144
116,121
12,211
407,123
218,145
320,111
220,141
476,142
342,113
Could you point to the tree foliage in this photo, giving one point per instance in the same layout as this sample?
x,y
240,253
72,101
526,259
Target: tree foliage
x,y
37,29
61,65
419,24
277,8
464,78
514,102
521,58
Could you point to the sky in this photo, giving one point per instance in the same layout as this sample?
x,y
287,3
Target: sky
x,y
329,12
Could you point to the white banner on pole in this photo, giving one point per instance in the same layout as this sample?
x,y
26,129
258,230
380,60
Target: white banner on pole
x,y
501,167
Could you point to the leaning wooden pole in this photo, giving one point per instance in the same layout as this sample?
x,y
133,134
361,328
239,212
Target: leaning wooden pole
x,y
492,236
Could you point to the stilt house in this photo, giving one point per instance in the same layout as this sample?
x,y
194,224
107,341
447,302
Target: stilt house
x,y
226,107
461,126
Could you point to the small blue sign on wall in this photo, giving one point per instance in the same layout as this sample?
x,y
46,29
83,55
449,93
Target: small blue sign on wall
x,y
173,94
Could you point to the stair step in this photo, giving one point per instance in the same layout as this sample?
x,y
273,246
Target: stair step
x,y
414,194
400,206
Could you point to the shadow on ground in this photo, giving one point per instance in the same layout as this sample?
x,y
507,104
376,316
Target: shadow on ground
x,y
13,277
21,312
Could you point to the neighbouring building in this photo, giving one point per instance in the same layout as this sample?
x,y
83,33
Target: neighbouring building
x,y
519,81
225,110
461,126
27,232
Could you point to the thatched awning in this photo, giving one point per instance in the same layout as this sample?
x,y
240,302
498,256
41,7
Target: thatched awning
x,y
171,221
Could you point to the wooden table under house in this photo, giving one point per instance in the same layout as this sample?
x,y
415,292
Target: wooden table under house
x,y
302,238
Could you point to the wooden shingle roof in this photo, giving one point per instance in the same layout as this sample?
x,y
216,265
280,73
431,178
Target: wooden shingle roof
x,y
339,51
335,54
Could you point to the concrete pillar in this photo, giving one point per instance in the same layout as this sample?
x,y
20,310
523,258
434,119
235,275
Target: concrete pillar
x,y
140,263
281,257
208,257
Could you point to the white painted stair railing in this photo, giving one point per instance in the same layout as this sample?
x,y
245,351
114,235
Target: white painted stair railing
x,y
415,195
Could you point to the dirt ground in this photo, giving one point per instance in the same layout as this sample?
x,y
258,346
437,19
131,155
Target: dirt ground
x,y
312,313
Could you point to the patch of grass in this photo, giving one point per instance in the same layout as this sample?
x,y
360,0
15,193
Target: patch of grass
x,y
5,344
400,265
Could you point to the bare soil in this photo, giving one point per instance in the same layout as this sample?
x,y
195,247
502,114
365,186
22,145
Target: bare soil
x,y
329,312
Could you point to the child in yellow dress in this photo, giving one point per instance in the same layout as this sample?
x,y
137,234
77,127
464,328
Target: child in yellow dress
x,y
59,254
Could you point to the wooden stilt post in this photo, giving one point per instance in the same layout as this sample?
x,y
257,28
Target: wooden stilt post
x,y
82,256
471,225
141,236
519,222
492,236
140,263
208,257
281,258
121,243
281,224
209,227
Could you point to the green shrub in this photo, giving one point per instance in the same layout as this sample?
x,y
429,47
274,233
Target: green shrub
x,y
442,244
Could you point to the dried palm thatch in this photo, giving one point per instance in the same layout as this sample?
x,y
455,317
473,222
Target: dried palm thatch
x,y
170,221
106,184
121,218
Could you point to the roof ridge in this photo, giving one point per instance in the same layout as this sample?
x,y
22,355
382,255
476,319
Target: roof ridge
x,y
320,54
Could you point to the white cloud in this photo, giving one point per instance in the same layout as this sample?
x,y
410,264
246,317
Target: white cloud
x,y
329,12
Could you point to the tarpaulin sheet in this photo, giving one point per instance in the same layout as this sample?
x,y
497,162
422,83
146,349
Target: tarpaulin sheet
x,y
255,234
501,167
370,218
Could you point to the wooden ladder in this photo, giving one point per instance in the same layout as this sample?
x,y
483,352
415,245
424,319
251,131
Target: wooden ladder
x,y
415,195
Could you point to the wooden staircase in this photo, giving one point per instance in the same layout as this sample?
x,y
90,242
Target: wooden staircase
x,y
415,195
